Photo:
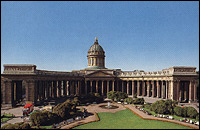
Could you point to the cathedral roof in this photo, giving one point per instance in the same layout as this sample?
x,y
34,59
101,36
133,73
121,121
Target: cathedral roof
x,y
96,47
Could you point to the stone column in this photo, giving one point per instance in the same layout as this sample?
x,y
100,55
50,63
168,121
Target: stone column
x,y
185,90
148,89
133,88
30,91
67,87
96,86
127,86
6,90
166,89
143,88
113,85
45,89
64,88
162,89
78,88
195,90
191,90
138,88
122,86
153,89
102,87
158,89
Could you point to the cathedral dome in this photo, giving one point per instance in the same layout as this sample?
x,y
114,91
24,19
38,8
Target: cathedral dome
x,y
96,56
96,49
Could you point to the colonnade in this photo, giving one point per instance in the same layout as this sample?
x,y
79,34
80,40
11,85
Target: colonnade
x,y
38,90
164,89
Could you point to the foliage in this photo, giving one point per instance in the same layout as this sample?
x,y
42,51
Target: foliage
x,y
147,106
178,111
76,101
90,98
129,100
185,112
63,109
44,118
116,95
197,117
191,112
135,95
112,95
139,101
20,125
163,107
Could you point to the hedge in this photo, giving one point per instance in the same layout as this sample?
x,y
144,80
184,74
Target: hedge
x,y
20,125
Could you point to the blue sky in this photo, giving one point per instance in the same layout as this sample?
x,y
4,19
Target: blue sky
x,y
148,36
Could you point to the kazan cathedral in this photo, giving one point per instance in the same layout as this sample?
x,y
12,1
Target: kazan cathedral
x,y
176,83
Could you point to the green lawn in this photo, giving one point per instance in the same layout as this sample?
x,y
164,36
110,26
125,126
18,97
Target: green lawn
x,y
6,117
125,119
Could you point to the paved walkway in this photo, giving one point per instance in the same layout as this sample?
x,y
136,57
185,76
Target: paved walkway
x,y
145,116
18,114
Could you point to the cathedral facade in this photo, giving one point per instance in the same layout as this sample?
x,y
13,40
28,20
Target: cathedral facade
x,y
176,83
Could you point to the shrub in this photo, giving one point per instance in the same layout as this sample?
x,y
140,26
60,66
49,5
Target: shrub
x,y
25,126
163,107
20,125
44,118
91,97
147,106
128,100
139,101
11,126
112,95
185,112
62,110
4,127
192,112
178,111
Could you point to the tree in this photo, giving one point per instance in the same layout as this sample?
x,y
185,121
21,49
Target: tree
x,y
112,95
178,111
139,101
192,112
63,110
185,112
128,100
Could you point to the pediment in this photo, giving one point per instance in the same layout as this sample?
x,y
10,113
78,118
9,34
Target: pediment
x,y
100,74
